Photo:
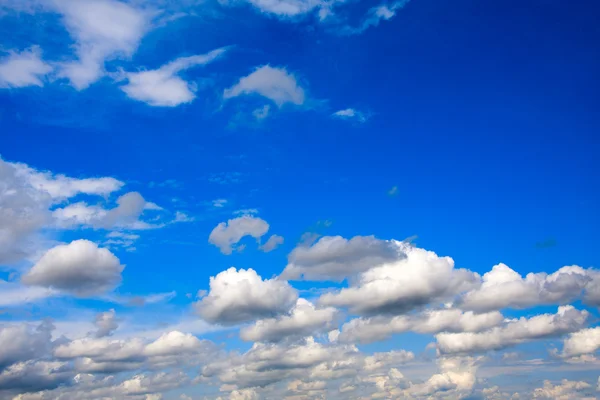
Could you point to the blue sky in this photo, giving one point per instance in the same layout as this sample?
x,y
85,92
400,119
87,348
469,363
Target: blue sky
x,y
338,149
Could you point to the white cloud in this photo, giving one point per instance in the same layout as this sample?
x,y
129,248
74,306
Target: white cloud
x,y
80,267
375,15
126,214
262,112
102,30
14,294
272,243
286,8
565,390
350,114
400,286
163,87
227,234
219,203
303,320
23,342
366,330
567,319
502,287
21,69
585,341
242,296
276,84
336,258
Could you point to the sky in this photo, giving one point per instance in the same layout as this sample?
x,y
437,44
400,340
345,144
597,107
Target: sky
x,y
299,199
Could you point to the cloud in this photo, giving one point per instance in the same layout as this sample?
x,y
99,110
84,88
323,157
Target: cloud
x,y
14,294
367,330
502,287
286,8
564,390
262,112
350,114
163,87
126,214
80,267
567,319
106,323
303,320
227,234
243,296
22,69
275,84
272,243
585,341
336,258
400,286
375,15
23,342
102,30
219,203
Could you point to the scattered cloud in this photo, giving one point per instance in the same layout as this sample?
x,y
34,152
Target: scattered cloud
x,y
393,191
271,244
80,267
243,296
375,15
226,235
164,87
22,69
351,114
275,84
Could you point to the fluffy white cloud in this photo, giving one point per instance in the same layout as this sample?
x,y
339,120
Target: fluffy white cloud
x,y
102,30
21,69
276,84
271,244
336,258
567,319
106,323
303,320
126,214
502,287
366,330
565,390
350,114
80,267
400,286
164,87
585,341
242,296
227,234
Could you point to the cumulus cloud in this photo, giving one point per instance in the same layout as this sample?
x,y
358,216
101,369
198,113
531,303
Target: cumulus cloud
x,y
336,258
106,323
400,286
503,287
80,267
126,214
271,244
243,296
102,30
585,341
22,69
366,330
275,84
227,234
565,390
566,320
24,342
303,320
350,114
164,87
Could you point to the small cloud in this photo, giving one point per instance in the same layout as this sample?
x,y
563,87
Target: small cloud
x,y
275,84
23,69
375,15
393,191
271,244
246,211
182,217
350,114
262,113
219,203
